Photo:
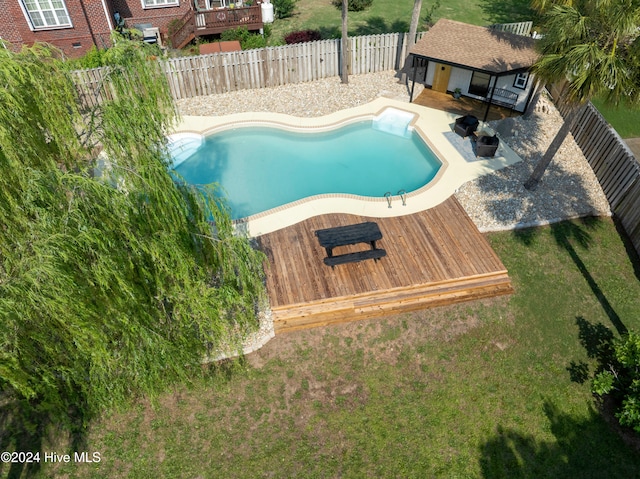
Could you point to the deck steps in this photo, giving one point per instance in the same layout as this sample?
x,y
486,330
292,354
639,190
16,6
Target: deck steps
x,y
395,301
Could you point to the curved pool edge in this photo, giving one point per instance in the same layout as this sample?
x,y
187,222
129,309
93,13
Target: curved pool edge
x,y
429,123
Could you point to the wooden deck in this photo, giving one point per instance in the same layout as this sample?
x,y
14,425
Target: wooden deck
x,y
436,257
461,106
208,22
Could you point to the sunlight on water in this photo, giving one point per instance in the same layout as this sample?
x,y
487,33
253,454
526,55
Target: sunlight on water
x,y
394,121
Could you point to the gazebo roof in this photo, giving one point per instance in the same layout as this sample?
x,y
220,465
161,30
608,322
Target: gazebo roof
x,y
478,48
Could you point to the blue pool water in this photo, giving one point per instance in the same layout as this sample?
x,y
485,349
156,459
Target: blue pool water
x,y
260,168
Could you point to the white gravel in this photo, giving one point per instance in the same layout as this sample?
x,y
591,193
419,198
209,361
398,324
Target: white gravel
x,y
497,201
568,189
309,99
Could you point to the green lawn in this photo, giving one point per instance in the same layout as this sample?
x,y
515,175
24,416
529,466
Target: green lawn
x,y
625,120
485,389
386,16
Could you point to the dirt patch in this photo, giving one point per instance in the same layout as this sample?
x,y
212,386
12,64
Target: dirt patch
x,y
381,337
634,146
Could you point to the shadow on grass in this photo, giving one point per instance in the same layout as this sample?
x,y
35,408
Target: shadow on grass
x,y
597,341
373,26
566,234
531,207
25,428
377,25
583,447
38,427
629,247
508,11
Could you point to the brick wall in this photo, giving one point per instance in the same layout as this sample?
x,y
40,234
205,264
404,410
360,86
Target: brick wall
x,y
133,13
90,25
9,30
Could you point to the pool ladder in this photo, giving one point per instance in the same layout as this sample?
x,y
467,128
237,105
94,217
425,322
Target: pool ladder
x,y
402,194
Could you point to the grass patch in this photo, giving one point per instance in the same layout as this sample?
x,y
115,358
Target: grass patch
x,y
483,389
386,16
624,119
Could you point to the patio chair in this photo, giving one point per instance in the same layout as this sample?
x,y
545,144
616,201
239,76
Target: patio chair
x,y
487,145
466,125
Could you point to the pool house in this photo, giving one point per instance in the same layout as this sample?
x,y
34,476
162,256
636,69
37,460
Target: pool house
x,y
476,62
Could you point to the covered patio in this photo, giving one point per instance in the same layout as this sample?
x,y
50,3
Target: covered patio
x,y
461,106
475,62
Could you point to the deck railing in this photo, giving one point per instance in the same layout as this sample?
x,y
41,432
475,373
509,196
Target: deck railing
x,y
208,22
184,32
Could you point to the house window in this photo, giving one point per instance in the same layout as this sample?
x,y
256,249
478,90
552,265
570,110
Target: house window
x,y
159,3
47,13
521,80
479,84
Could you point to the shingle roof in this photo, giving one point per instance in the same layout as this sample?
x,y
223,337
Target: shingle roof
x,y
476,47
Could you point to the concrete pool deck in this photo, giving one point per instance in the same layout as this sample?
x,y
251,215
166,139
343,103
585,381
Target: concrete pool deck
x,y
434,126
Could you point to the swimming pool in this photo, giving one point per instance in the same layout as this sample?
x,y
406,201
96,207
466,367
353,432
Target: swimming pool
x,y
265,167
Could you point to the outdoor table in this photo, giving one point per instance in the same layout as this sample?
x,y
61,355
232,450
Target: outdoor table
x,y
367,232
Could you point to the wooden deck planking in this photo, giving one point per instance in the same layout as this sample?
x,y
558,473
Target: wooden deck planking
x,y
434,257
462,106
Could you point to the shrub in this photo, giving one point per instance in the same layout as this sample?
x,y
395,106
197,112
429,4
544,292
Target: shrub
x,y
620,379
248,40
94,58
284,8
429,14
302,36
354,5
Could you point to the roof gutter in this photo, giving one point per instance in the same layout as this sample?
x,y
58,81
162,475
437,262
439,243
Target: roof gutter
x,y
468,67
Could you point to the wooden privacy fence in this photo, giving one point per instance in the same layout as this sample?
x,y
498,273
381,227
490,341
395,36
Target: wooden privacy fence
x,y
520,28
268,67
615,166
275,66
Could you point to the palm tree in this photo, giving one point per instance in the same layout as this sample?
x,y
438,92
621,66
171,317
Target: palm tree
x,y
413,28
344,73
594,46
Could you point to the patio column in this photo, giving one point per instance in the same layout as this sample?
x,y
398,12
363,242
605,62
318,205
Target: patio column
x,y
486,113
413,78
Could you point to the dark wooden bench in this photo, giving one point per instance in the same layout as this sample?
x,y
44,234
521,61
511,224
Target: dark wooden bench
x,y
374,254
367,232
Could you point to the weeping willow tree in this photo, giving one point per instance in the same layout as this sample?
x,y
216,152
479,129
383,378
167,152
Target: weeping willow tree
x,y
114,288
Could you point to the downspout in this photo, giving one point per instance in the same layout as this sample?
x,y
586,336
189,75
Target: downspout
x,y
107,14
